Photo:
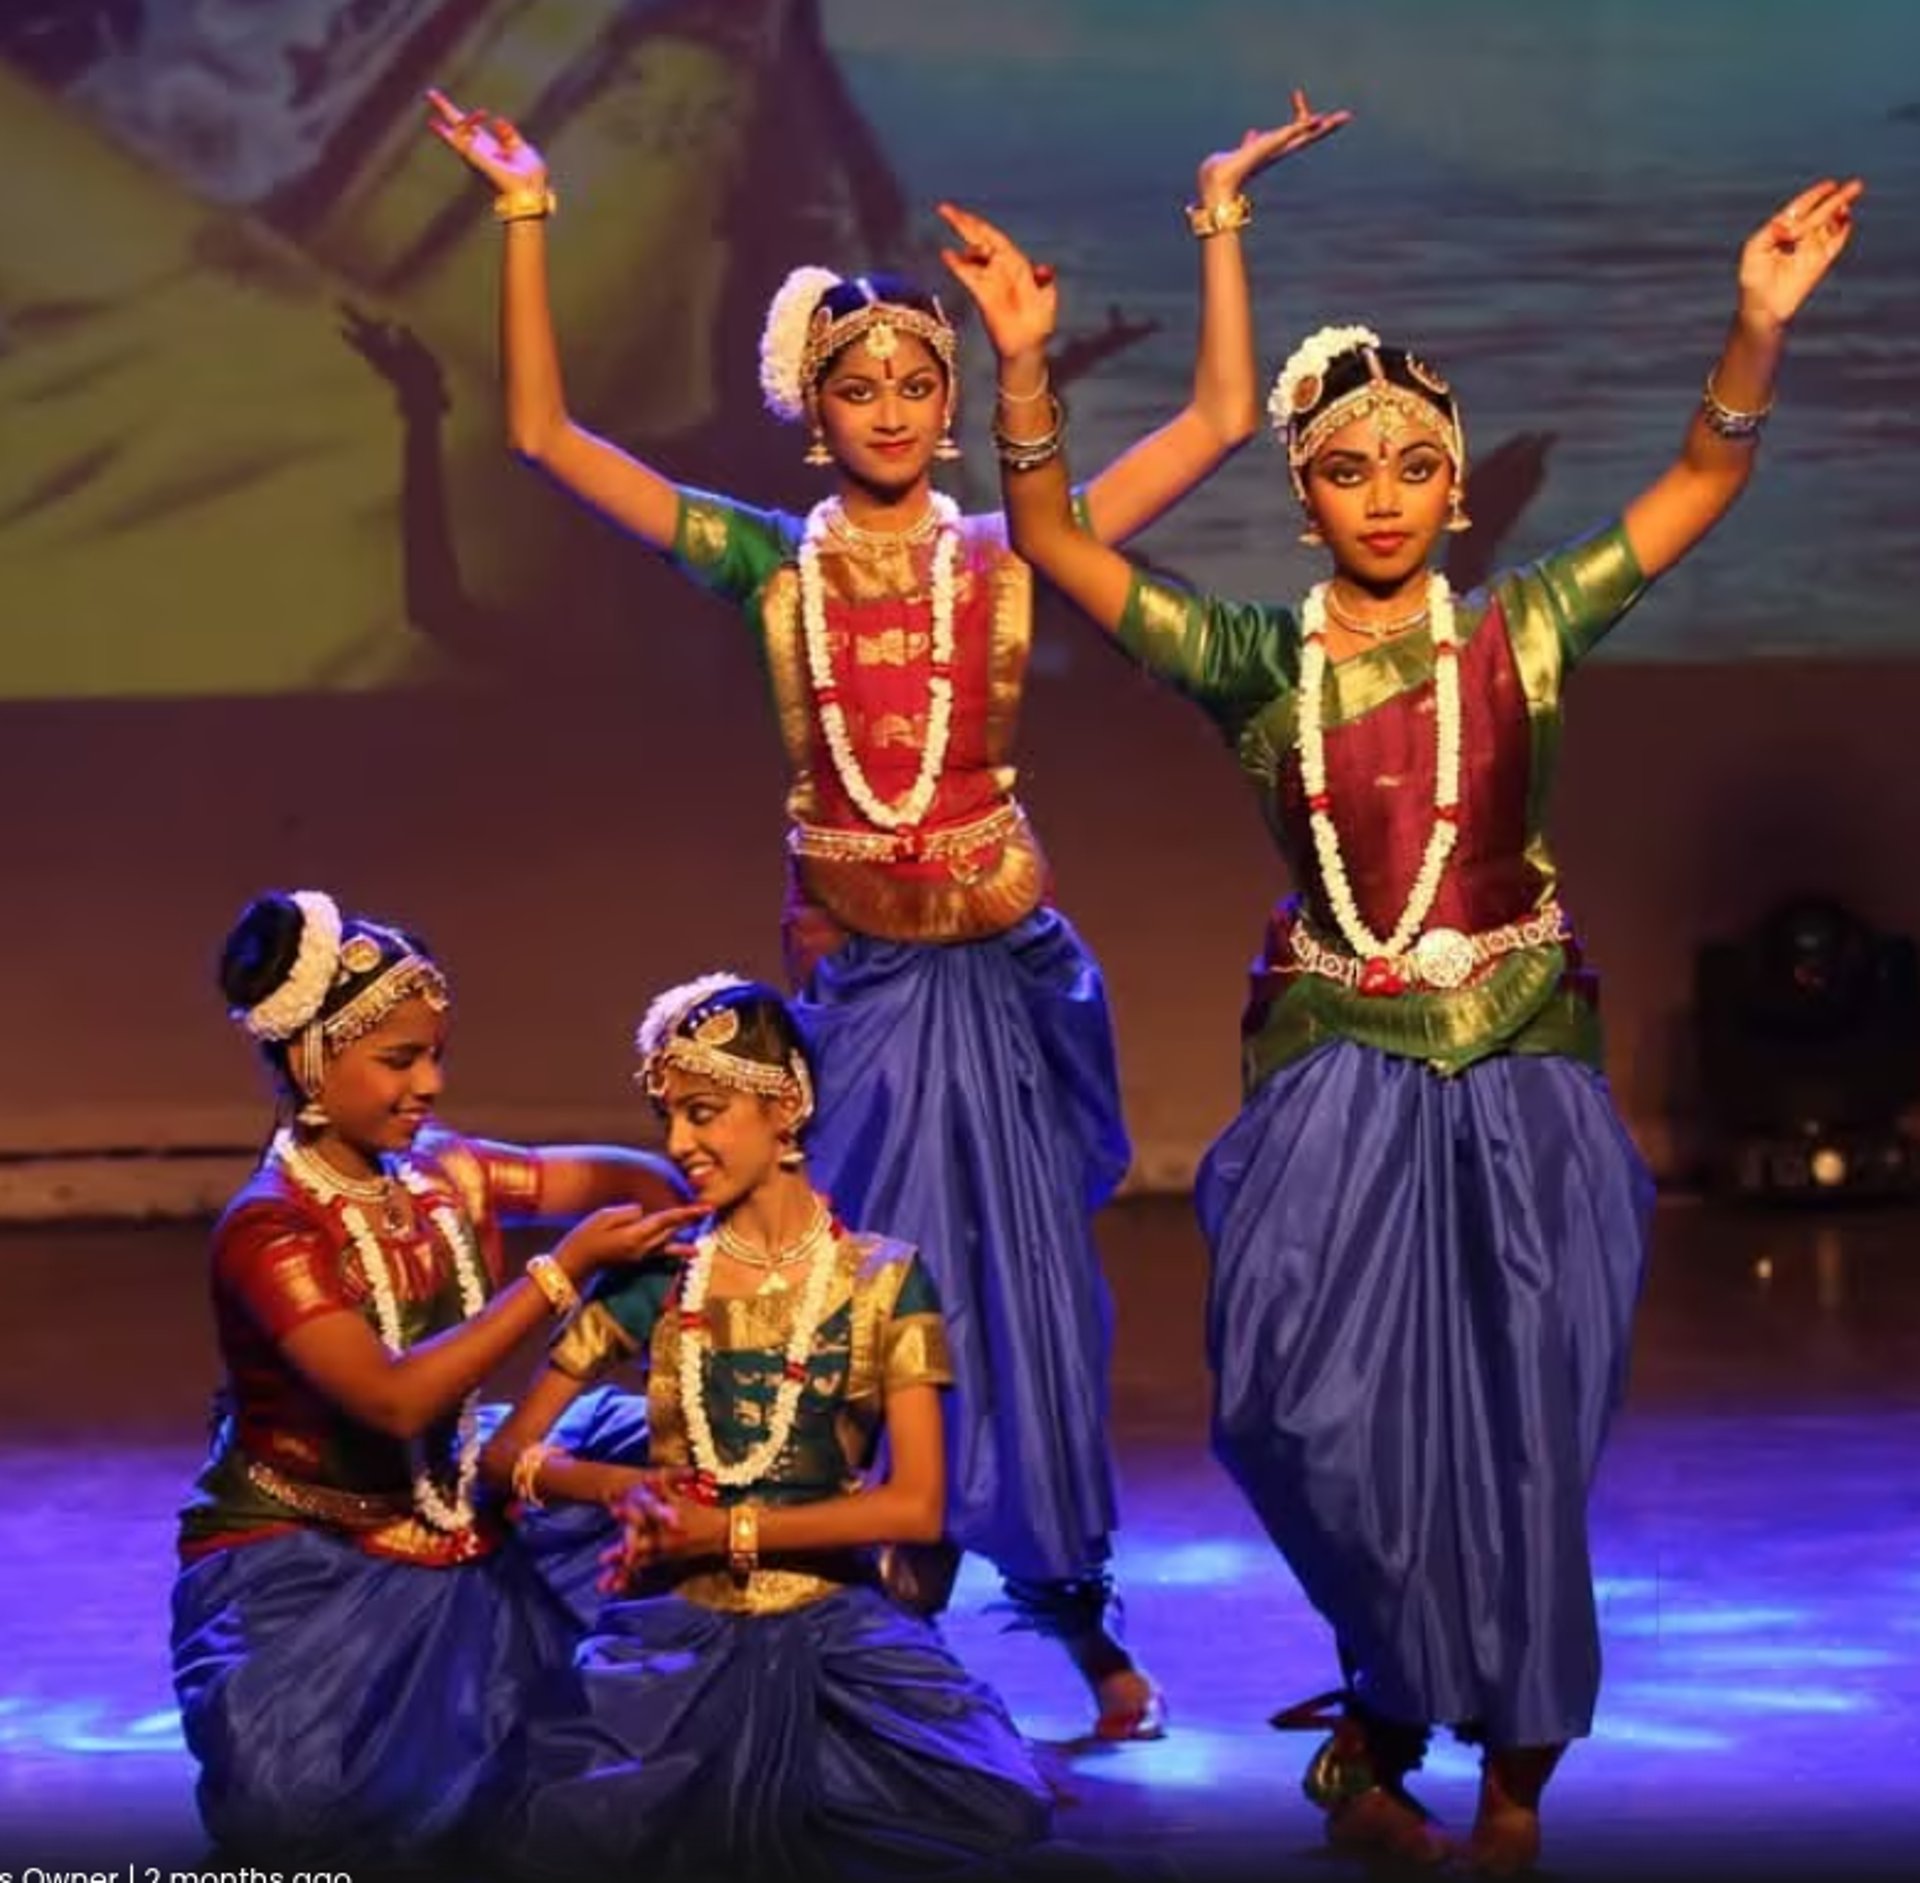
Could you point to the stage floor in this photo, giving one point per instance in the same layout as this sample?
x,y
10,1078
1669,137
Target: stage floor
x,y
1757,1543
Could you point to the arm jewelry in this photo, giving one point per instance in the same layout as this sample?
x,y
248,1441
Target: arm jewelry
x,y
743,1541
525,1479
1210,219
1726,421
555,1283
1028,454
527,205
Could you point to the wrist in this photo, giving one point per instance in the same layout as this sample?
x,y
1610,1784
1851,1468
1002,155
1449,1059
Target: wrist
x,y
1024,372
526,202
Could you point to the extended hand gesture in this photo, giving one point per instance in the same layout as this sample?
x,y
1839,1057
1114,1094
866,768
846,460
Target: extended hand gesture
x,y
1227,172
630,1232
487,144
1018,299
1784,261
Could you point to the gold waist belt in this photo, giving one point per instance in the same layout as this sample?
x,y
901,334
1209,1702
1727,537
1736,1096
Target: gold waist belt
x,y
832,844
1442,959
779,1585
345,1510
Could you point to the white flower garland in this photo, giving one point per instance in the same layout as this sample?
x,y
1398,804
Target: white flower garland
x,y
1446,775
783,340
451,1516
299,997
918,801
807,1316
1310,360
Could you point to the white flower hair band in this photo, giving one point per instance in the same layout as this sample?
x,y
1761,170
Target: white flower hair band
x,y
294,1003
783,340
1300,380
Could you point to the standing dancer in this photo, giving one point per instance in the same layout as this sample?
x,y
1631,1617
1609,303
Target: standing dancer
x,y
968,1093
352,1635
1428,1225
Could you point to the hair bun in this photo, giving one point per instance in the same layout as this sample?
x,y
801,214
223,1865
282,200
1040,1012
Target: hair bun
x,y
261,949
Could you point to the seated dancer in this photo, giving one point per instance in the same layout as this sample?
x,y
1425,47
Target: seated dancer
x,y
948,1001
351,1631
1428,1225
760,1707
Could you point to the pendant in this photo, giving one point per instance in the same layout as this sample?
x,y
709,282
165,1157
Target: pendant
x,y
773,1285
1381,976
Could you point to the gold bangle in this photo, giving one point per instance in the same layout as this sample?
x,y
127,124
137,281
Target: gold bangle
x,y
525,1479
743,1541
528,205
555,1283
1207,219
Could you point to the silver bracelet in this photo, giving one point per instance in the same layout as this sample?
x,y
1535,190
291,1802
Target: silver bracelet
x,y
1725,421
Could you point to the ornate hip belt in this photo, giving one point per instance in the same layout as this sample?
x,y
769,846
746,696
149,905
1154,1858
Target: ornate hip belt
x,y
345,1510
1440,961
832,844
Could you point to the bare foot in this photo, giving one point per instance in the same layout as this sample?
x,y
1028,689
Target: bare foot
x,y
1379,1823
1506,1829
1131,1706
1505,1840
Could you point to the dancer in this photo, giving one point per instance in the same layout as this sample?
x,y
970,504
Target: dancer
x,y
352,1633
949,1003
1428,1226
762,1708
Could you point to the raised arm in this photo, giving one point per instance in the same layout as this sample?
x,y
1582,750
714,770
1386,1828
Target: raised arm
x,y
1223,411
1020,303
1780,266
539,427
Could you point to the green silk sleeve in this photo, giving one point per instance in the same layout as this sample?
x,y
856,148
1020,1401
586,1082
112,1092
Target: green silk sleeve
x,y
1230,658
730,548
1582,590
915,1348
615,1322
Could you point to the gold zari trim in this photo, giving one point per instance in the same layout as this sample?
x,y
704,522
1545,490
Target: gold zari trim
x,y
591,1343
837,845
777,1589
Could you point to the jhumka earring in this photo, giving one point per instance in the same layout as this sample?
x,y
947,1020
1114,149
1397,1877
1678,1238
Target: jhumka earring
x,y
817,452
1457,518
1312,538
312,1114
792,1158
948,448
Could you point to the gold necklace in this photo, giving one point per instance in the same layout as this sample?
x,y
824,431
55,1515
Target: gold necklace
x,y
876,541
319,1178
771,1261
1373,630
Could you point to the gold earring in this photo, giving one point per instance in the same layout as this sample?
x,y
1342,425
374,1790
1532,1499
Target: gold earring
x,y
948,448
817,452
1312,538
792,1158
1457,518
312,1114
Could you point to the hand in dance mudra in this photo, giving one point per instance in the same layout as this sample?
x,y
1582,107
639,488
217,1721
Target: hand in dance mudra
x,y
658,1523
1019,300
1788,256
488,144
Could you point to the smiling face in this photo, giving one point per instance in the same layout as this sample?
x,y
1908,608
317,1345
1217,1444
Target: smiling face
x,y
726,1142
883,414
379,1091
1378,494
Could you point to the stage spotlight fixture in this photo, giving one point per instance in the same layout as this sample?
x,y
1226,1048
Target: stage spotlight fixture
x,y
1808,1031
